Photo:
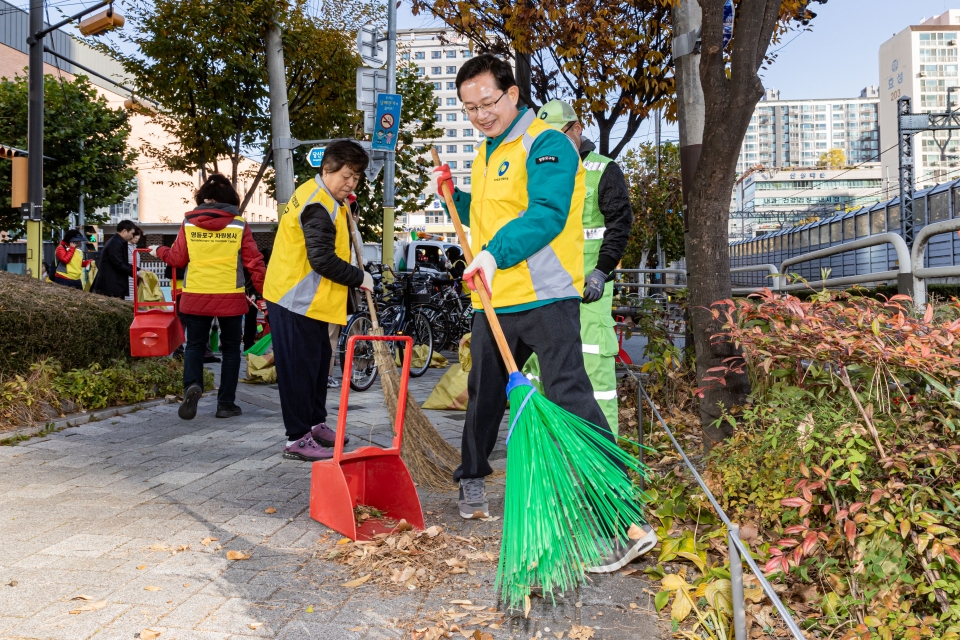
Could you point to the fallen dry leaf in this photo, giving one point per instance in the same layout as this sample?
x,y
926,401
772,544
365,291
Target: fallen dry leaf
x,y
473,607
526,606
354,628
237,555
558,634
149,634
628,572
152,588
343,540
207,541
160,547
94,606
186,584
635,532
403,525
433,531
269,510
141,567
356,583
460,602
255,625
578,632
633,605
82,597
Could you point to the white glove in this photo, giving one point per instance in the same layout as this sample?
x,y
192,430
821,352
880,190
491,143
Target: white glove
x,y
367,282
153,250
485,265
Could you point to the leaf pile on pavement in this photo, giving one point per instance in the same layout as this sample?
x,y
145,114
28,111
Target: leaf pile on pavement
x,y
463,619
409,559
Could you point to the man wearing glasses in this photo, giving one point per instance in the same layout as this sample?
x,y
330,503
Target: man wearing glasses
x,y
525,215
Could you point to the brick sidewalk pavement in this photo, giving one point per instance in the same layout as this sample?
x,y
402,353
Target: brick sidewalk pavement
x,y
100,510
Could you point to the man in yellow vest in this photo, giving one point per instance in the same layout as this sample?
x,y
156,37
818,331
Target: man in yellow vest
x,y
306,290
70,262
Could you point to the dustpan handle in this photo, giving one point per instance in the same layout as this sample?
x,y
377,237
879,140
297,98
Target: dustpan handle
x,y
492,319
357,249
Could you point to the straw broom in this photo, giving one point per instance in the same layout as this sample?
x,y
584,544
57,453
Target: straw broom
x,y
430,459
567,490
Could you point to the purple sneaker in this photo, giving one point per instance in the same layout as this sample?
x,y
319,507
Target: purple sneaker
x,y
327,436
306,449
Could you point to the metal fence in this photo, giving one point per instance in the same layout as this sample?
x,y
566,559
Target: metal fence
x,y
738,551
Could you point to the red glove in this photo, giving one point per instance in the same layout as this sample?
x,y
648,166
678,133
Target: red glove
x,y
262,305
442,175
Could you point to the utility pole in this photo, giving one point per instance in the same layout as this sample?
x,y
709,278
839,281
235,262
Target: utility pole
x,y
687,18
390,166
279,118
33,209
82,220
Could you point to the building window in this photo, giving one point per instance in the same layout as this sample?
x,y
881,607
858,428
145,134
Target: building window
x,y
468,133
436,101
436,86
434,55
419,55
451,54
454,178
466,118
451,117
451,133
420,71
468,164
451,86
451,102
466,180
453,164
451,148
405,56
467,54
438,117
451,69
468,148
435,70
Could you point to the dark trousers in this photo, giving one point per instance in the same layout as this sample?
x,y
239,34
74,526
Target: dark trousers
x,y
301,351
73,284
198,340
250,328
553,333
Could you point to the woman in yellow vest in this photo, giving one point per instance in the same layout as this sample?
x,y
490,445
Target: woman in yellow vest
x,y
217,243
306,289
70,262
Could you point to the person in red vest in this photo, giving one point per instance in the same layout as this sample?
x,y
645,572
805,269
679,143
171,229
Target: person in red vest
x,y
70,262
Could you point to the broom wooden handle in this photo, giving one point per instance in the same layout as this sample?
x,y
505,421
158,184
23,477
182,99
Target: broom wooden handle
x,y
358,250
492,319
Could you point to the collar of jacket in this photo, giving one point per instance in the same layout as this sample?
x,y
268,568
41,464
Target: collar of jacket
x,y
586,146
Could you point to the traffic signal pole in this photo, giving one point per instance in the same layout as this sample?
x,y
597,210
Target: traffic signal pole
x,y
34,209
279,118
390,166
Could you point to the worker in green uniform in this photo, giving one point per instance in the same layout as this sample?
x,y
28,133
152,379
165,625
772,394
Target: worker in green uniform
x,y
607,219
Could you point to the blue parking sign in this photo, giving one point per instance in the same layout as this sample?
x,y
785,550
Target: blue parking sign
x,y
386,124
315,157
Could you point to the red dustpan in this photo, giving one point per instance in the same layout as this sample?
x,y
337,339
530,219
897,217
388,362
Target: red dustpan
x,y
369,476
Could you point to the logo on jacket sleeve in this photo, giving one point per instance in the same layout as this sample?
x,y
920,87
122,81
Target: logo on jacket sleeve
x,y
503,168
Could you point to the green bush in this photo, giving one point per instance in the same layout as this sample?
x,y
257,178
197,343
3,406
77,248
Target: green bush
x,y
39,320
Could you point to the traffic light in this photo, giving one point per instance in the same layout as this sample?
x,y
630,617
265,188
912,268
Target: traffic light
x,y
18,182
7,152
90,232
101,23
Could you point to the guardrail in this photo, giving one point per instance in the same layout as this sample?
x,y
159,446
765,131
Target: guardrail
x,y
738,551
920,273
771,269
652,285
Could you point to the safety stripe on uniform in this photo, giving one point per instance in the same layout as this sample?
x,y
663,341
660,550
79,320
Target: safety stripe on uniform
x,y
299,298
605,395
533,378
594,234
591,348
550,279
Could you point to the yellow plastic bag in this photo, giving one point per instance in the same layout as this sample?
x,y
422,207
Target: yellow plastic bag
x,y
437,361
261,369
88,275
451,390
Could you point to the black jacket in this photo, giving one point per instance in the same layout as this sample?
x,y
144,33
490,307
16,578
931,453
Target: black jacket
x,y
320,236
114,270
614,201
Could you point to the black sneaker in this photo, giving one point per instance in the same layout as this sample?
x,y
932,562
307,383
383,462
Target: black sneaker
x,y
623,554
188,408
210,359
228,411
473,499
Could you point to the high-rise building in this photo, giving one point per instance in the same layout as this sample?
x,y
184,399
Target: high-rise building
x,y
794,133
921,62
438,55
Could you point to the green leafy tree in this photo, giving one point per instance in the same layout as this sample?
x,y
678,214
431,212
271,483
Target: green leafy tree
x,y
86,141
657,204
204,64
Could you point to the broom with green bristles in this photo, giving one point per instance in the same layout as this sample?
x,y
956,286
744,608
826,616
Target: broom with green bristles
x,y
567,491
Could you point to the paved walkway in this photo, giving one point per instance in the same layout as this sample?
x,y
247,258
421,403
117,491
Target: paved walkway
x,y
109,520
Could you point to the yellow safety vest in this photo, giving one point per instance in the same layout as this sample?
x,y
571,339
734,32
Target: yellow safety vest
x,y
499,196
72,270
215,261
291,282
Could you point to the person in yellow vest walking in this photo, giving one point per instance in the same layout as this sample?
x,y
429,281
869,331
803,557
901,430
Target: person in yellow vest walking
x,y
70,262
306,290
217,243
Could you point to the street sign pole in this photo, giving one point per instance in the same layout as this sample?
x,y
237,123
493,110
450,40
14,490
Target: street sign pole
x,y
34,209
279,118
389,169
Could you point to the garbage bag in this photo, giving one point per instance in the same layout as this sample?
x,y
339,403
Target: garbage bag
x,y
451,390
437,360
260,369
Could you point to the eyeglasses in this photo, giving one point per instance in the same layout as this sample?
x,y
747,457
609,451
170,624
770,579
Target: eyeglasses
x,y
486,107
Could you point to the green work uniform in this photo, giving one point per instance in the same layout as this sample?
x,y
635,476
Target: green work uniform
x,y
597,334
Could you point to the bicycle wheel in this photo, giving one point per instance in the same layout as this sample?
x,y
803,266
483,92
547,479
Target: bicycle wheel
x,y
438,324
364,365
418,328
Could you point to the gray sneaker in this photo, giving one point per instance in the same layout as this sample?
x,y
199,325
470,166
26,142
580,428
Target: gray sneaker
x,y
623,554
473,499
